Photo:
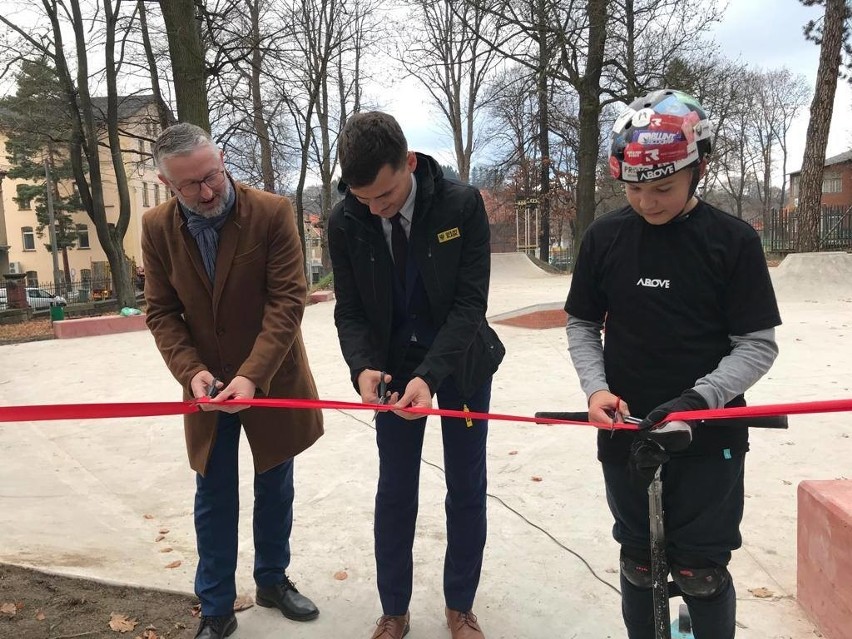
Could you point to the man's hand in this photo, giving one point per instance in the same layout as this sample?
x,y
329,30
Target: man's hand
x,y
200,384
239,388
368,385
673,436
606,408
417,394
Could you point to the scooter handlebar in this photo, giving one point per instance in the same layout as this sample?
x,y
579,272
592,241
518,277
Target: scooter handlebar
x,y
773,421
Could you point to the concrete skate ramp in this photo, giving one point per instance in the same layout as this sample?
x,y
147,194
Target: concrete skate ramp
x,y
808,277
515,265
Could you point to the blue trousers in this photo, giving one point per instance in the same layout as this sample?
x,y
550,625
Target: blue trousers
x,y
400,443
217,507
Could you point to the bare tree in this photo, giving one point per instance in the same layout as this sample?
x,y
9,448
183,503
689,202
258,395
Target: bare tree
x,y
164,114
183,28
830,35
86,126
448,57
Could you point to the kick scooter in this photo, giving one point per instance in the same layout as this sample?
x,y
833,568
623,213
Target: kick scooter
x,y
662,589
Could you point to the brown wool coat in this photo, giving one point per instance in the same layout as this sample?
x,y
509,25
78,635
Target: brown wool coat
x,y
245,323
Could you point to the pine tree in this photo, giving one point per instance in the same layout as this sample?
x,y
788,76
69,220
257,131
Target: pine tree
x,y
35,121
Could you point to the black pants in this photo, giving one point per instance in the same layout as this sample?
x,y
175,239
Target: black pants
x,y
703,504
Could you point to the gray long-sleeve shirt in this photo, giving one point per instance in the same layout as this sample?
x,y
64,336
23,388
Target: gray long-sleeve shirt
x,y
750,358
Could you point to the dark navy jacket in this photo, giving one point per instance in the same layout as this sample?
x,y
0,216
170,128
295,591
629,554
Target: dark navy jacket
x,y
449,243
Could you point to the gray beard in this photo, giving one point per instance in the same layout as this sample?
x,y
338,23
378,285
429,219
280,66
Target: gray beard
x,y
214,212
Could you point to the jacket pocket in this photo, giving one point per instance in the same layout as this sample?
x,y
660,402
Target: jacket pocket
x,y
248,256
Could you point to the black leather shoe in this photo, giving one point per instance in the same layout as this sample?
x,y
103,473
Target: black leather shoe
x,y
287,599
216,627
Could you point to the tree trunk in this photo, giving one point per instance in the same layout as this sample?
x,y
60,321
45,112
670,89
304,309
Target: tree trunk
x,y
125,291
810,189
543,134
164,116
187,55
258,118
589,91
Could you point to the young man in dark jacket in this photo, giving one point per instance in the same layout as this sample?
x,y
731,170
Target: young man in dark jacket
x,y
684,293
411,258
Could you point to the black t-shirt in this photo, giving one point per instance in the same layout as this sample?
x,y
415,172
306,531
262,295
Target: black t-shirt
x,y
669,297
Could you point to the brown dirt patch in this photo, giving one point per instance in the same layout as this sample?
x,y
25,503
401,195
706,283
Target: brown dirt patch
x,y
555,318
29,331
35,605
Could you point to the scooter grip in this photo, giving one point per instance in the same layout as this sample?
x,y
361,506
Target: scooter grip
x,y
571,417
769,421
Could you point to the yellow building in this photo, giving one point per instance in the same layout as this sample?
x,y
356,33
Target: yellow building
x,y
25,252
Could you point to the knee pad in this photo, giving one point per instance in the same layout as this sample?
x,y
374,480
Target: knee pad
x,y
701,583
636,571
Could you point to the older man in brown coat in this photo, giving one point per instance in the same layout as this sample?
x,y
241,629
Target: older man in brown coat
x,y
225,288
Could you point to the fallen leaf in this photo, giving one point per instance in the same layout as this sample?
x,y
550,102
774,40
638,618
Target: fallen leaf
x,y
40,616
340,575
166,549
19,605
8,609
174,564
243,602
164,531
536,478
148,516
150,633
121,623
761,593
196,610
513,452
786,483
160,538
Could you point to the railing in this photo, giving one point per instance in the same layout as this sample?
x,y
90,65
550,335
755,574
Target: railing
x,y
781,229
81,291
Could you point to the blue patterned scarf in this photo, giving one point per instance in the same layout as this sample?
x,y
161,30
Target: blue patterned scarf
x,y
205,230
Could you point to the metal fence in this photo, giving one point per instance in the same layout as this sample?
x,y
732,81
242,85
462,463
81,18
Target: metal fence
x,y
81,291
781,229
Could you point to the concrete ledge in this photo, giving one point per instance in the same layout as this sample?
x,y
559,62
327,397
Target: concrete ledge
x,y
103,325
824,575
320,296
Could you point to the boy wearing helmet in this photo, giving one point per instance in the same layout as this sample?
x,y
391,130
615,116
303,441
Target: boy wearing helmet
x,y
684,294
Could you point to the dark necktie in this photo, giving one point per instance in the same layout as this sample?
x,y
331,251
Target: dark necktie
x,y
399,245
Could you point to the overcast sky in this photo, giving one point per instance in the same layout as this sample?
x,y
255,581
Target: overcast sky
x,y
764,33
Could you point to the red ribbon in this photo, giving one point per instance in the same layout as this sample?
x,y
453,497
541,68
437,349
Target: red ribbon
x,y
47,412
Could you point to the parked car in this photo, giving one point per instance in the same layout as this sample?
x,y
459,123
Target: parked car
x,y
37,298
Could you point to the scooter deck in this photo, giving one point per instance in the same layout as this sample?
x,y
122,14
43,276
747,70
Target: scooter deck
x,y
677,634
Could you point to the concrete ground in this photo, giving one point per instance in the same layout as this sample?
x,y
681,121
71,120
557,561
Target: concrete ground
x,y
89,498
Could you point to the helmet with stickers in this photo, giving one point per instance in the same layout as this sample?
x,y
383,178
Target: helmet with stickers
x,y
658,135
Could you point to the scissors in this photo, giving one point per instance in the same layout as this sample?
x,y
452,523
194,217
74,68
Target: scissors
x,y
383,389
382,392
213,389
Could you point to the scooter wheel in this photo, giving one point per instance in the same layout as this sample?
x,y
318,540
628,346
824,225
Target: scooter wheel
x,y
684,623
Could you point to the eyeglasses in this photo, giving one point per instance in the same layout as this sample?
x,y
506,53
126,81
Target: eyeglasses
x,y
213,181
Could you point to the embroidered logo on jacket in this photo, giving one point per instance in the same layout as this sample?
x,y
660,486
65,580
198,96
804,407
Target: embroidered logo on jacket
x,y
653,283
451,234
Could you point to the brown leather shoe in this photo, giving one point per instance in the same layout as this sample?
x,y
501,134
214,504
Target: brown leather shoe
x,y
463,625
392,627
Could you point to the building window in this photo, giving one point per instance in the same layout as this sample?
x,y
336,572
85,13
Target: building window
x,y
831,183
156,193
32,279
28,238
83,236
146,201
24,203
